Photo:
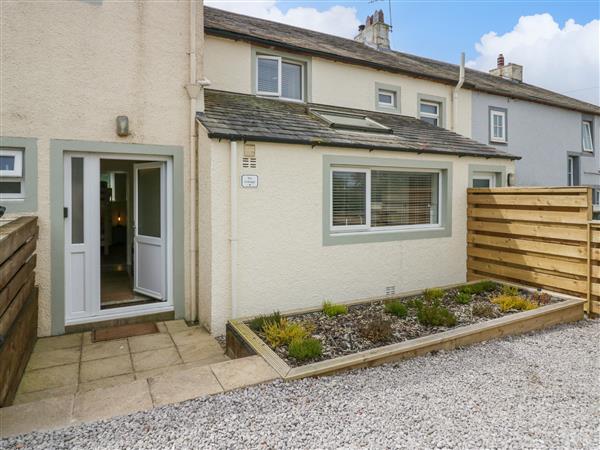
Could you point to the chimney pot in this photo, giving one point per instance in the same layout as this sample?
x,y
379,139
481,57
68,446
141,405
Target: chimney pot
x,y
374,32
500,60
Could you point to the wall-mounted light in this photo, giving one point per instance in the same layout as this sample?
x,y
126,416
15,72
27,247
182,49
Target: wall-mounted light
x,y
122,126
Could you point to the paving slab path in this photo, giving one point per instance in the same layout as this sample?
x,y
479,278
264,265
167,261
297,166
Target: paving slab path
x,y
540,390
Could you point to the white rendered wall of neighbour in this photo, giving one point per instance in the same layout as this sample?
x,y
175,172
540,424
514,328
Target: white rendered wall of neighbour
x,y
229,67
69,68
282,262
543,136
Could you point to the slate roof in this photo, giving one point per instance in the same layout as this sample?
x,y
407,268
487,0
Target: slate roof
x,y
246,117
264,32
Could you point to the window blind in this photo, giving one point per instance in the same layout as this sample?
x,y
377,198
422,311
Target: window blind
x,y
403,198
268,75
291,81
349,202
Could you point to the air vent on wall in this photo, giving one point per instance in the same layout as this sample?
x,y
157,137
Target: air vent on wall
x,y
390,290
249,163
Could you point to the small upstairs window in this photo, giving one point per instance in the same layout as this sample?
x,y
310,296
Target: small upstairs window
x,y
497,125
279,77
430,112
587,142
386,99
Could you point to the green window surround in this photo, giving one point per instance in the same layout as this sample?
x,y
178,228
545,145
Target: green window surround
x,y
357,236
29,203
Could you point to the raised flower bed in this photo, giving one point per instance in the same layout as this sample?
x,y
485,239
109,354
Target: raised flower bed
x,y
369,332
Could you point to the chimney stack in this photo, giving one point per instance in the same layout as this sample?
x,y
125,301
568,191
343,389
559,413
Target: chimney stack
x,y
375,32
510,71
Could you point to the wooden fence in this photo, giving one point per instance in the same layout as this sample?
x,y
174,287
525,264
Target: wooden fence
x,y
18,302
542,237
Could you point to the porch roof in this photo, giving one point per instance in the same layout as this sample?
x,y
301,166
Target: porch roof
x,y
242,117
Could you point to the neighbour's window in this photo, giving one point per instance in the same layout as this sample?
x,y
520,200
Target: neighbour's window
x,y
587,142
279,77
484,180
373,199
497,126
387,98
11,173
430,112
573,171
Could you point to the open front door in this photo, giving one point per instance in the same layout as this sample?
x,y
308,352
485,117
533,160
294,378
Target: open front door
x,y
149,232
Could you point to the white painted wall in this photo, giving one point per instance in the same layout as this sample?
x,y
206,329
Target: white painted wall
x,y
229,67
282,261
69,68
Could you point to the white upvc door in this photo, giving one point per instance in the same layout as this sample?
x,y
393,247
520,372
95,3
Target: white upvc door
x,y
82,236
150,229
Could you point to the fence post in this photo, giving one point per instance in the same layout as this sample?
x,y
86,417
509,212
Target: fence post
x,y
589,268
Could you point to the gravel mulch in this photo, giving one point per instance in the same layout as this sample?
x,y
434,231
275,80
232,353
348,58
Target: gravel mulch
x,y
539,391
342,335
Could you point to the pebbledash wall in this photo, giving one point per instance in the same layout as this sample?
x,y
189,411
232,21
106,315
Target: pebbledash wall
x,y
557,135
69,68
355,89
284,259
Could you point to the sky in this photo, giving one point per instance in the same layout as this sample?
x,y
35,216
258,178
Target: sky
x,y
557,42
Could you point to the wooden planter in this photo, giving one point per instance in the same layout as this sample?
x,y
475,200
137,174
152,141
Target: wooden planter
x,y
18,302
242,341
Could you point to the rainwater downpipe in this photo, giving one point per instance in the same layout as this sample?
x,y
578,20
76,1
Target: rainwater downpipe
x,y
193,93
233,226
461,80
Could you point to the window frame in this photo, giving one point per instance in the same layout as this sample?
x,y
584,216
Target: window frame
x,y
436,116
280,61
266,93
368,228
570,171
17,172
393,94
502,113
586,128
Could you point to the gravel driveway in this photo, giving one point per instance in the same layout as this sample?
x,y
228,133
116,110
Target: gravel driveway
x,y
536,391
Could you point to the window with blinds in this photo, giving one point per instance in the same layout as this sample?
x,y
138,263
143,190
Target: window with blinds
x,y
379,199
349,191
276,76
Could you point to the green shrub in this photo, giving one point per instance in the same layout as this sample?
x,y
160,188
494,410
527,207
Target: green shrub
x,y
510,291
284,332
377,330
513,302
436,315
462,298
258,323
333,310
484,310
415,303
303,349
433,294
479,287
396,308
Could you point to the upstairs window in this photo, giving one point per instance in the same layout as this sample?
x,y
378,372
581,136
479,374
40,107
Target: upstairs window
x,y
497,126
587,142
11,173
279,77
380,200
386,98
430,112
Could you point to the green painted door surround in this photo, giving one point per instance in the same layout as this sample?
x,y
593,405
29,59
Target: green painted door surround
x,y
57,238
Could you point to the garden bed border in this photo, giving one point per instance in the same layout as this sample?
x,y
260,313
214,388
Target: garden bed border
x,y
568,310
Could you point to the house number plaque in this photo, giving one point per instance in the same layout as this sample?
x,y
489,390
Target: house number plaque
x,y
249,181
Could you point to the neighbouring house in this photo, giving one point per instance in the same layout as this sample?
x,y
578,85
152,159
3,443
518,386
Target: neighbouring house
x,y
313,167
556,136
98,105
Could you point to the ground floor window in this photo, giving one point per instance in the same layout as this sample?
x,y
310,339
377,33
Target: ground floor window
x,y
384,199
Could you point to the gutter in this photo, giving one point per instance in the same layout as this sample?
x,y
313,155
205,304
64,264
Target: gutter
x,y
314,143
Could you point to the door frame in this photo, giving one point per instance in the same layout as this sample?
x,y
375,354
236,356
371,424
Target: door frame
x,y
97,313
175,247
